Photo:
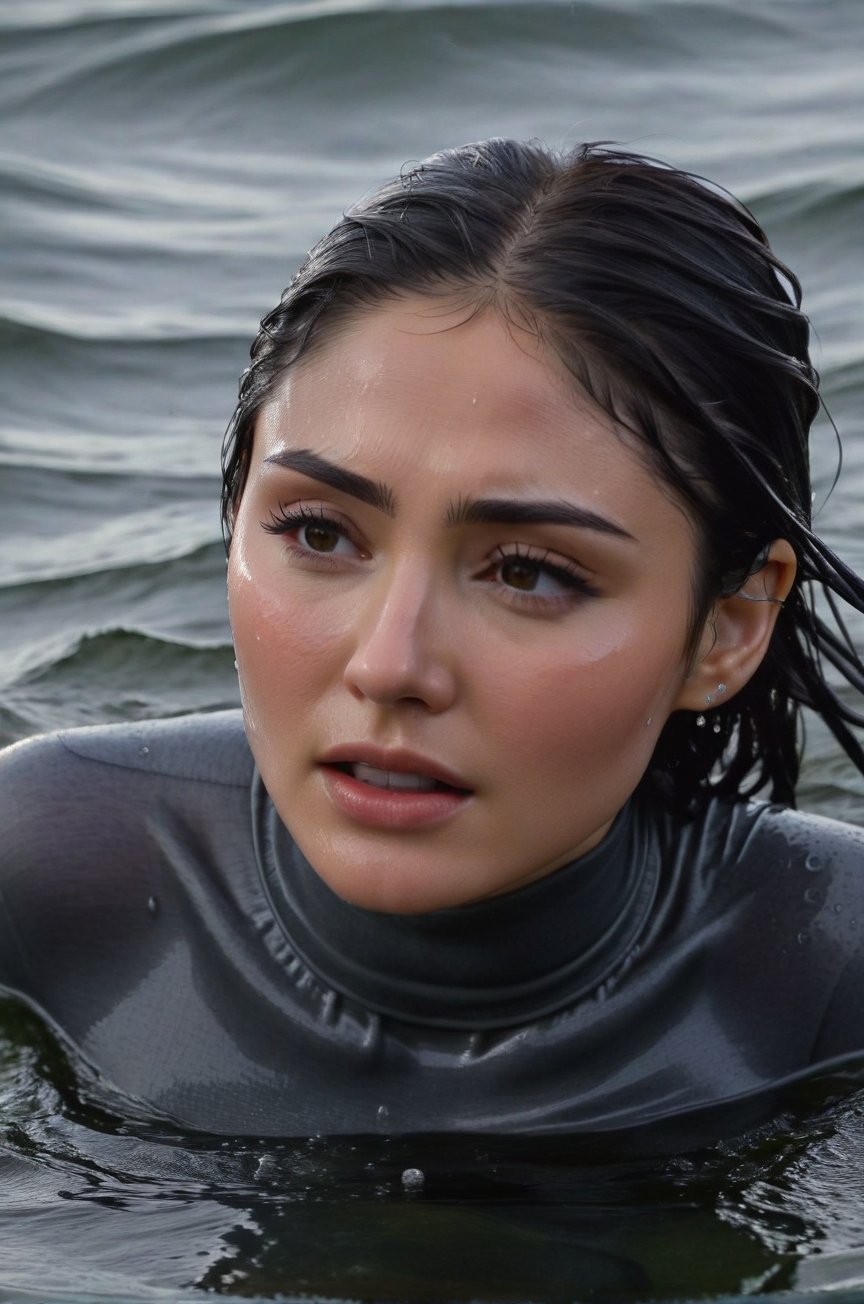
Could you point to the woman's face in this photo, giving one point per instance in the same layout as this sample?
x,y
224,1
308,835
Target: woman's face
x,y
460,605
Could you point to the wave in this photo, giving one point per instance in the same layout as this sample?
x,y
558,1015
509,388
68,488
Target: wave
x,y
117,674
65,524
41,583
225,43
113,556
180,448
122,648
48,334
813,202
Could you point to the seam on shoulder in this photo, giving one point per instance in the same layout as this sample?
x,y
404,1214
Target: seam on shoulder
x,y
139,755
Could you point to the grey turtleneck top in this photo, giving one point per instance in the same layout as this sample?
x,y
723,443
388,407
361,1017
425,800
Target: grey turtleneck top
x,y
154,908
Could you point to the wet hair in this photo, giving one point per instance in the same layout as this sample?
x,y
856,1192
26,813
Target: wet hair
x,y
660,294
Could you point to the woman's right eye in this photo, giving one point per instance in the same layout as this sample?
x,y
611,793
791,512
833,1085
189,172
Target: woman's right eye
x,y
311,532
321,536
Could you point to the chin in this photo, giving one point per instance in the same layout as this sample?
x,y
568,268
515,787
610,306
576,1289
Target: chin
x,y
395,891
387,894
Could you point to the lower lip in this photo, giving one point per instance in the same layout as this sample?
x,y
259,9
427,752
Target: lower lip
x,y
387,808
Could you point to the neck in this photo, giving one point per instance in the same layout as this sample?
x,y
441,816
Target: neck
x,y
490,964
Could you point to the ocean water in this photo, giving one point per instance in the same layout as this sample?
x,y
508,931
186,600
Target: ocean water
x,y
165,165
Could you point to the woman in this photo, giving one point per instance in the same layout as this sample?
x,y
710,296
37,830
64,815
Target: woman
x,y
518,504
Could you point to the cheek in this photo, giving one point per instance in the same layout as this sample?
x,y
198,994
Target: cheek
x,y
586,697
284,645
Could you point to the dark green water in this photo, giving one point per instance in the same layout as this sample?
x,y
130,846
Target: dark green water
x,y
165,164
99,1197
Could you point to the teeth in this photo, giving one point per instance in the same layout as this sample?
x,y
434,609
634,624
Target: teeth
x,y
388,779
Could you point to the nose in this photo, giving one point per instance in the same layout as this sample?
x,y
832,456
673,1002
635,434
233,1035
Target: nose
x,y
399,654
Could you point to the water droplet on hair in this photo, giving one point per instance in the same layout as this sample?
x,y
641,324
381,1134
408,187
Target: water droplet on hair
x,y
813,863
413,1179
383,1115
803,938
144,751
716,727
153,905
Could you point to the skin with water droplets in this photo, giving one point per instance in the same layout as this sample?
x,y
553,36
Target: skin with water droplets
x,y
407,632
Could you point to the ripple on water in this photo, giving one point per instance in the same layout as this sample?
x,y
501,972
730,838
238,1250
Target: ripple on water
x,y
111,1200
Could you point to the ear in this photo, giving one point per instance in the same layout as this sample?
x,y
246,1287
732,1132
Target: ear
x,y
737,632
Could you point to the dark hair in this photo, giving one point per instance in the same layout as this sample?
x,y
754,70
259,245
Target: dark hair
x,y
661,295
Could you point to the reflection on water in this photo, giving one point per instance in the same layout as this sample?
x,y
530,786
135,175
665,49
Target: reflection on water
x,y
810,1201
109,1202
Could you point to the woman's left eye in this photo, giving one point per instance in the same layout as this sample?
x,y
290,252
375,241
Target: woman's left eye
x,y
537,577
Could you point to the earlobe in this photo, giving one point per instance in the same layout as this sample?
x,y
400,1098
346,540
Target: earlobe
x,y
737,632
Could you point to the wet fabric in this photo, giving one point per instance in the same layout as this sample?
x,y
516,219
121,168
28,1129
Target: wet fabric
x,y
155,910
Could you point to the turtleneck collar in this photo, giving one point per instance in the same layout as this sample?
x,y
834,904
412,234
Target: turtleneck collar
x,y
497,962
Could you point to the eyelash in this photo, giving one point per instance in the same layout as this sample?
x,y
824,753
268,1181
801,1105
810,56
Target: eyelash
x,y
286,520
563,573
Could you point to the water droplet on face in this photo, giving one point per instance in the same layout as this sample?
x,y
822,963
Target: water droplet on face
x,y
153,905
813,863
413,1179
383,1115
803,938
811,896
144,751
264,1168
838,909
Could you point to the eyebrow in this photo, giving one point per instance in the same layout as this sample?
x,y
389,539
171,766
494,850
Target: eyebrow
x,y
467,511
347,482
518,511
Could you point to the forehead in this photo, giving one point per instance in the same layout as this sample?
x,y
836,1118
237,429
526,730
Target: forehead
x,y
441,393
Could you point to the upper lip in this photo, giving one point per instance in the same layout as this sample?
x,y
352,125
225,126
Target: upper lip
x,y
398,760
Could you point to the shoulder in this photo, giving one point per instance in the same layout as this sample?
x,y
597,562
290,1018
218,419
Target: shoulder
x,y
779,864
208,749
91,795
90,817
783,892
94,794
200,748
774,840
805,868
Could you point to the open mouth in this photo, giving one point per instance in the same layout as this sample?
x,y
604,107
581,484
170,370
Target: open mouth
x,y
394,781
